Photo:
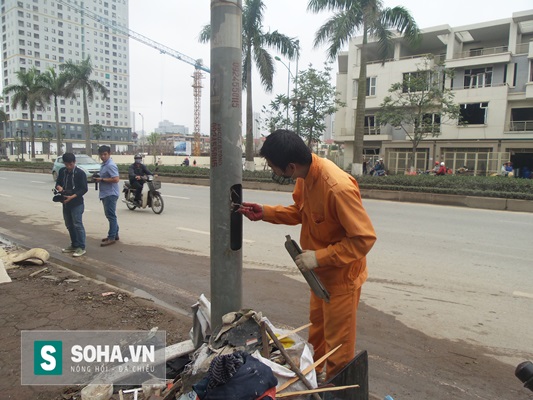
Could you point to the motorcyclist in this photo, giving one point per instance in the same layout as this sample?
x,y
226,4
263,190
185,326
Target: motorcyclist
x,y
136,172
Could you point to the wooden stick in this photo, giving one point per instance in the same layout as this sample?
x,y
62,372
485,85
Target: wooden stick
x,y
265,351
304,392
308,369
290,362
301,328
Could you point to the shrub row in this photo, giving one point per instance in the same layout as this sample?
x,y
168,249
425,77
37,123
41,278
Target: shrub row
x,y
510,188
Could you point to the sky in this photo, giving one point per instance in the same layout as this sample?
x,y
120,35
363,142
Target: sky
x,y
161,85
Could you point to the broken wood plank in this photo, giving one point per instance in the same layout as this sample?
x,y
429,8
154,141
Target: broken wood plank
x,y
319,390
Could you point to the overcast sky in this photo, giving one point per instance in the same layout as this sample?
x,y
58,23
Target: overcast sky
x,y
161,84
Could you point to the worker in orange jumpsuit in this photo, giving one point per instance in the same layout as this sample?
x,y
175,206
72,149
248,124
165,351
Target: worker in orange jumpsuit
x,y
336,236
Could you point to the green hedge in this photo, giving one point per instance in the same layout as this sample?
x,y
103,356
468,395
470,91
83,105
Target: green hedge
x,y
497,186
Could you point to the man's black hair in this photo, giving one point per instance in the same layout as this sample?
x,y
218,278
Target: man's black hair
x,y
283,147
104,149
69,157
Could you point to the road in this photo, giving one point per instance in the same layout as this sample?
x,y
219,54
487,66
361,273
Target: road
x,y
450,288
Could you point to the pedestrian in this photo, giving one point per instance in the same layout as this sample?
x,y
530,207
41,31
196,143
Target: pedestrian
x,y
72,184
109,192
336,235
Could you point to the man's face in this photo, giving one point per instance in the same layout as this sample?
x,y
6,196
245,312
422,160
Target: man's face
x,y
104,156
70,166
286,173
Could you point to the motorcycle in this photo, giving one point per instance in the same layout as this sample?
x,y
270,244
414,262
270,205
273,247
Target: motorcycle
x,y
150,196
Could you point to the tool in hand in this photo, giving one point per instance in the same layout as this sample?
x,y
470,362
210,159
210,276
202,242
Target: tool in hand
x,y
310,276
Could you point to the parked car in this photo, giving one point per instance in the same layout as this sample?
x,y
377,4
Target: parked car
x,y
83,161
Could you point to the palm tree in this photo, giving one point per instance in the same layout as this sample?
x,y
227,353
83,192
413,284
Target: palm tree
x,y
254,41
79,78
370,18
55,85
28,94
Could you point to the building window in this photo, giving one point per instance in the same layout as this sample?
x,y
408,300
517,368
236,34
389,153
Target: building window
x,y
473,114
431,123
418,81
371,125
370,86
478,78
522,119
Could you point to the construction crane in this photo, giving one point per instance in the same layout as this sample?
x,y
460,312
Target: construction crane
x,y
197,64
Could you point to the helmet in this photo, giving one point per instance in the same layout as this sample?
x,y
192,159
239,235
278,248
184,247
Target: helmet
x,y
442,164
436,163
138,155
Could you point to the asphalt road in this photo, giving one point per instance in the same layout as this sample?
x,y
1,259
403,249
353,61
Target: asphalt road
x,y
454,275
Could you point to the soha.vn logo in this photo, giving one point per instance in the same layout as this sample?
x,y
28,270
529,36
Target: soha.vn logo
x,y
48,357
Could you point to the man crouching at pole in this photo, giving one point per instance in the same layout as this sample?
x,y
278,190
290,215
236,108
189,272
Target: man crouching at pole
x,y
336,236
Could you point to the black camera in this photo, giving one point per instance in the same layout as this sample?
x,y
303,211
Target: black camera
x,y
59,197
96,175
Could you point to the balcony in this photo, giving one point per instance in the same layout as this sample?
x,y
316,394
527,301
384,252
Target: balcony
x,y
480,56
520,127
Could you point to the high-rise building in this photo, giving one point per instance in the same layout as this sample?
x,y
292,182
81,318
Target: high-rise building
x,y
492,84
47,33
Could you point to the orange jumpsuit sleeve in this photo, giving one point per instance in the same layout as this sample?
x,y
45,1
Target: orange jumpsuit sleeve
x,y
286,215
347,207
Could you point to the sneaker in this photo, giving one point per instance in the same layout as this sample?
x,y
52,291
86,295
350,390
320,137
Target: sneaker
x,y
69,249
108,242
79,252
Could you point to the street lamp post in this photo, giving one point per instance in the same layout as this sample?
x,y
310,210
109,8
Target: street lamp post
x,y
142,134
289,74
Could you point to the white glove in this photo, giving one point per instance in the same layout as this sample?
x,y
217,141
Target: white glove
x,y
307,260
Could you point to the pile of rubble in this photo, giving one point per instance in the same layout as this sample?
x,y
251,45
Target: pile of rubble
x,y
246,358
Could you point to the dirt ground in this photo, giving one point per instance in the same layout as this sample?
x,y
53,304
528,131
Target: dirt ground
x,y
70,302
403,363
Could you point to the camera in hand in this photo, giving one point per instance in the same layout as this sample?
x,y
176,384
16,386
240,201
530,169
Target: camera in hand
x,y
96,175
59,197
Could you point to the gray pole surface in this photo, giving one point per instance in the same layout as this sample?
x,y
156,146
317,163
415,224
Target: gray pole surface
x,y
226,158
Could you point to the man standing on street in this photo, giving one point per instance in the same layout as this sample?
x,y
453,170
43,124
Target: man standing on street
x,y
109,192
72,184
336,236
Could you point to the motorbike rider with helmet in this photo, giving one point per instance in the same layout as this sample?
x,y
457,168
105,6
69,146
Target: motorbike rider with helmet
x,y
136,172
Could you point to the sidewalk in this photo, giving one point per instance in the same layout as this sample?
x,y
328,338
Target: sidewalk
x,y
59,299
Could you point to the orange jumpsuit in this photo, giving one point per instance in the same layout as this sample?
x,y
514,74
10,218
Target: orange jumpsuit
x,y
334,223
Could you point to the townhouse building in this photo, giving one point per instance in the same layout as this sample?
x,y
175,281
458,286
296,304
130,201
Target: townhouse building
x,y
492,82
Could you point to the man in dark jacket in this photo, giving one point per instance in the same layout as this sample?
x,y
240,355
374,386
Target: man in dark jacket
x,y
72,184
136,172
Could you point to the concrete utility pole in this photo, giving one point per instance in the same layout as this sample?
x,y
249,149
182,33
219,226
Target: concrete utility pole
x,y
226,158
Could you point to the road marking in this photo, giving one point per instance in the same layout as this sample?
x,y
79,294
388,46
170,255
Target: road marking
x,y
178,197
206,233
5,195
523,294
1,177
37,182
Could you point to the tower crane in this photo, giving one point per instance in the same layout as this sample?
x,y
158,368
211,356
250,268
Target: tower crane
x,y
197,64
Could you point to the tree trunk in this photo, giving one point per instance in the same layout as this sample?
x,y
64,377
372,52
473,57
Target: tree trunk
x,y
359,133
88,146
32,134
58,129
